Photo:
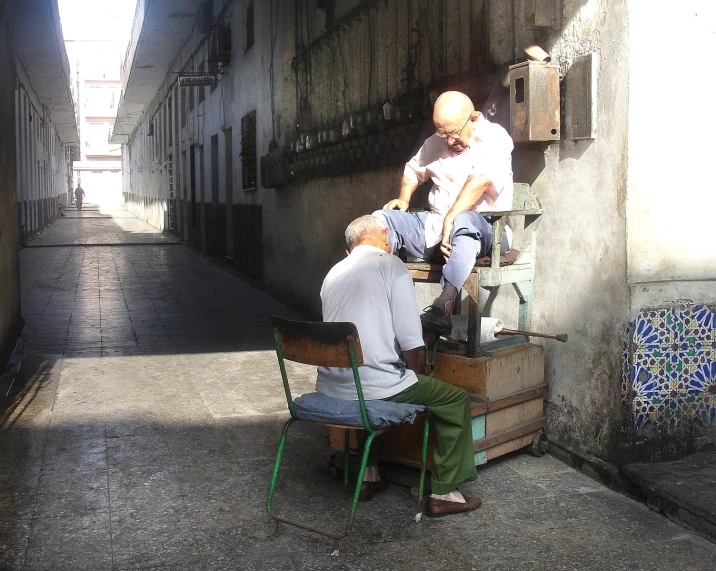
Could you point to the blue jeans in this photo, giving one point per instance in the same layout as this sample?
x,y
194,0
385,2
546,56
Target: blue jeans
x,y
471,238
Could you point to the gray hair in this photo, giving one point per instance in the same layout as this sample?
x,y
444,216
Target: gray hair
x,y
362,227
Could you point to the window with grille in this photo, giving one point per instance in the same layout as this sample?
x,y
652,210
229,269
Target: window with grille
x,y
248,150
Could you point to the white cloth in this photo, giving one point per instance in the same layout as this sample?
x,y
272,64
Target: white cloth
x,y
489,155
375,291
489,327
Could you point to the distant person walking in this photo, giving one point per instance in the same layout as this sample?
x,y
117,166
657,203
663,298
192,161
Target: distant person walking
x,y
79,196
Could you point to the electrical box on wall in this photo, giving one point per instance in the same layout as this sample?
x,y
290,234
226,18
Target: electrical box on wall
x,y
580,98
534,102
545,15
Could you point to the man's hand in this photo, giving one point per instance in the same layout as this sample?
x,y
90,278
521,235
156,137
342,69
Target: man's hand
x,y
396,204
445,245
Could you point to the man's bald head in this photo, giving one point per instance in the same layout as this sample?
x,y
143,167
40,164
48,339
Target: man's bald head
x,y
452,107
452,115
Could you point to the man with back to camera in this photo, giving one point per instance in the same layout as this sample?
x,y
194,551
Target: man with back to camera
x,y
79,196
372,289
469,160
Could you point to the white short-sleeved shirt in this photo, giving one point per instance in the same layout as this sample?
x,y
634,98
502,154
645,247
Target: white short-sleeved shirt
x,y
489,155
375,291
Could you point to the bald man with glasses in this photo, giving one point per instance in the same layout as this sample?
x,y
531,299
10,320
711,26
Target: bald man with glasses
x,y
469,161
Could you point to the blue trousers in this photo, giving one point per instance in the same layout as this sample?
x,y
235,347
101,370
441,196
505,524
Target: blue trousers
x,y
471,238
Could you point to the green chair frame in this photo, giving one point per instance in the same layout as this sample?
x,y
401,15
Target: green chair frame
x,y
328,345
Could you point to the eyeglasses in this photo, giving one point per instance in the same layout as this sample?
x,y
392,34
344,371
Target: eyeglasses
x,y
457,134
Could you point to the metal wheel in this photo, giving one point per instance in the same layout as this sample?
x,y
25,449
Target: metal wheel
x,y
540,444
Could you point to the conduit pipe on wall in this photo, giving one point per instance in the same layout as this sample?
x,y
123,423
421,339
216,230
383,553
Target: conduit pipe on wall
x,y
536,53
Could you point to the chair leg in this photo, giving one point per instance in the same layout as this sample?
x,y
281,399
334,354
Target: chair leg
x,y
359,480
276,466
346,450
336,536
423,462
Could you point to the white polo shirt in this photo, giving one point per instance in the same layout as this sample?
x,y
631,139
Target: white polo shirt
x,y
489,155
375,291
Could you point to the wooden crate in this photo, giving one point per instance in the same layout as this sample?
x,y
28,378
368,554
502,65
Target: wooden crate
x,y
502,373
506,388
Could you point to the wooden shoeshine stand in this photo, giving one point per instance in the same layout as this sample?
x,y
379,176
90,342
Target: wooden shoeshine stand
x,y
505,378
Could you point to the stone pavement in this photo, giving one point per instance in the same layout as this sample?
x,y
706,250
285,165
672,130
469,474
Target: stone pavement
x,y
99,225
146,433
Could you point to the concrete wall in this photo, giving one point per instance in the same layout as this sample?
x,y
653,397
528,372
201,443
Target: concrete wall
x,y
10,320
580,282
43,166
669,386
671,240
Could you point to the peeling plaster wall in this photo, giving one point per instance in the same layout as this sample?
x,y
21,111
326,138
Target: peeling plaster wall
x,y
580,284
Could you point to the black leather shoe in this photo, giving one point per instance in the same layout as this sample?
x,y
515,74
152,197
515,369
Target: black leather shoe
x,y
369,489
435,320
440,508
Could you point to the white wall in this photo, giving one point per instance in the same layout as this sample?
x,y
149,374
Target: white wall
x,y
670,199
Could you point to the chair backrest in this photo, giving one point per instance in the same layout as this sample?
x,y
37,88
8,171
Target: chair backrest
x,y
317,343
524,199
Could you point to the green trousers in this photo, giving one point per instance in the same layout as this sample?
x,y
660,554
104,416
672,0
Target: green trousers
x,y
453,456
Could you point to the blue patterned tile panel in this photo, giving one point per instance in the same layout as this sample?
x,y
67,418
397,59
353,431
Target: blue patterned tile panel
x,y
696,366
699,409
693,325
654,328
669,367
653,369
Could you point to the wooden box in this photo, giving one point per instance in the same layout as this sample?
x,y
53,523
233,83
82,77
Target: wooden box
x,y
506,390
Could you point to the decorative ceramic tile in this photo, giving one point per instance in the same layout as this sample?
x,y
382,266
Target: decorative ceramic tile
x,y
644,411
654,328
693,325
672,377
626,383
697,409
696,374
653,370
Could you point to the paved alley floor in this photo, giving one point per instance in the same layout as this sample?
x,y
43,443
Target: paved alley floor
x,y
100,224
147,431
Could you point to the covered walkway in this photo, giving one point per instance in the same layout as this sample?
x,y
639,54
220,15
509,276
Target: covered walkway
x,y
145,435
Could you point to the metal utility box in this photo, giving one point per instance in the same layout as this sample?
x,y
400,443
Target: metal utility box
x,y
534,102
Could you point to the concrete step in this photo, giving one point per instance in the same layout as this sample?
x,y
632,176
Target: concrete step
x,y
684,490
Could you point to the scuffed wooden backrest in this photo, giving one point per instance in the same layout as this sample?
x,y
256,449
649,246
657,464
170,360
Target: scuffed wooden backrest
x,y
317,343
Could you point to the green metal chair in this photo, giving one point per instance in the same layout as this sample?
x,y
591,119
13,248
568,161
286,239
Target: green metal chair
x,y
330,345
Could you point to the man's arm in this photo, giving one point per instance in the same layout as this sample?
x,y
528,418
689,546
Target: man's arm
x,y
407,188
470,195
411,357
